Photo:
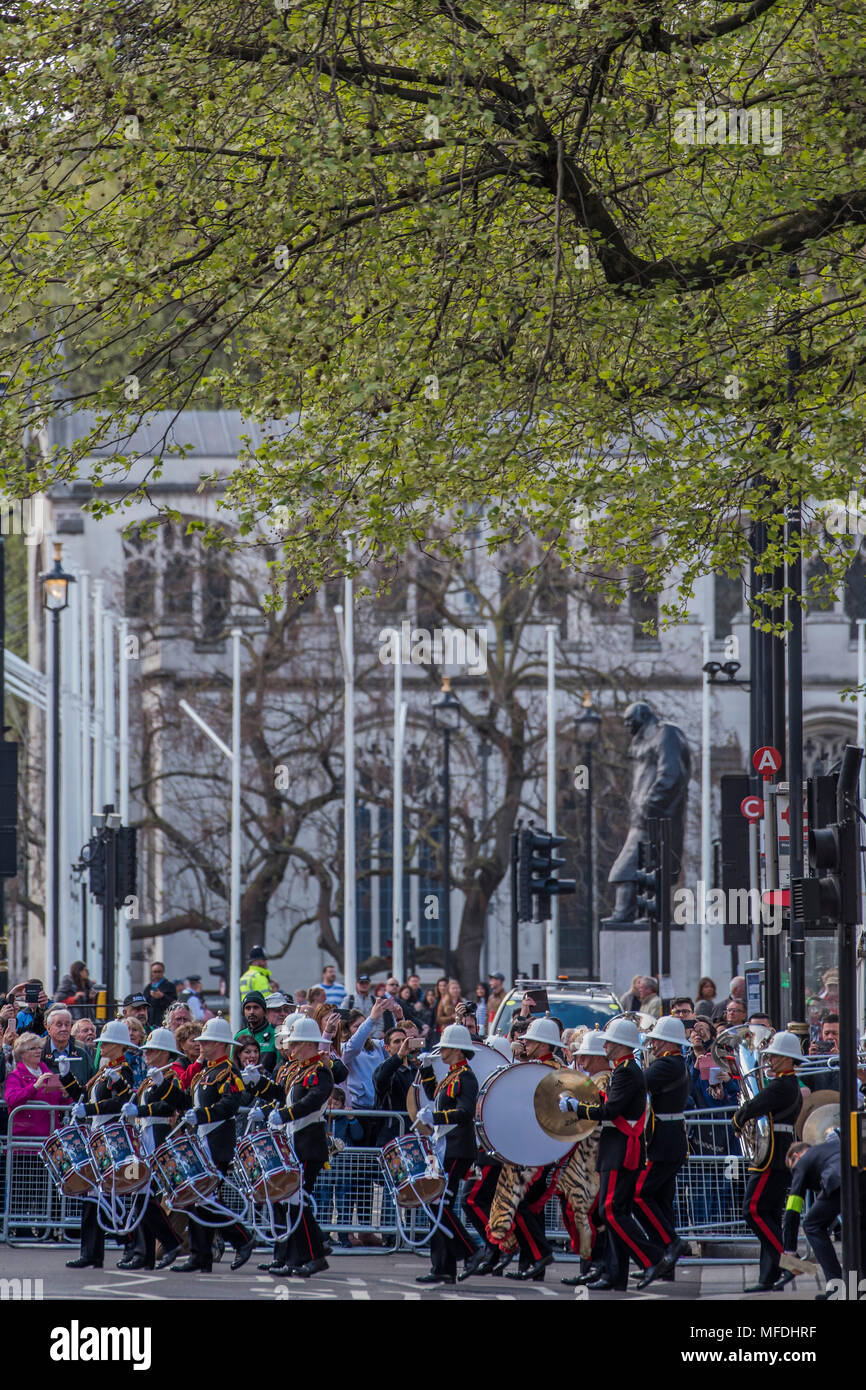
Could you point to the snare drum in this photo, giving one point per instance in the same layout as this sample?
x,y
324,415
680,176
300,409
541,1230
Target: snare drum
x,y
118,1159
413,1170
69,1161
266,1167
505,1118
184,1171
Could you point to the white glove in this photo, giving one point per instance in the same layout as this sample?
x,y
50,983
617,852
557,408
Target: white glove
x,y
64,1066
79,1110
189,1118
426,1115
251,1076
111,1074
256,1116
156,1075
566,1103
129,1110
274,1121
425,1059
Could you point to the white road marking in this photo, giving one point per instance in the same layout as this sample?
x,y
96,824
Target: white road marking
x,y
360,1293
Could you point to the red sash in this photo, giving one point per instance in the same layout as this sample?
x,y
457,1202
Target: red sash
x,y
632,1129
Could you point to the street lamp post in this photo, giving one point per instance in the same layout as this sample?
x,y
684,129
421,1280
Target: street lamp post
x,y
446,716
587,725
55,597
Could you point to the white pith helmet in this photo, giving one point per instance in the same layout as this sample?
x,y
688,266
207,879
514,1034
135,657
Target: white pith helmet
x,y
306,1030
162,1039
117,1032
456,1035
623,1032
670,1030
591,1045
785,1045
218,1030
543,1030
500,1045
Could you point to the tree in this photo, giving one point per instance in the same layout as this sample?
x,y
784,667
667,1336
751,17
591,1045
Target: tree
x,y
554,261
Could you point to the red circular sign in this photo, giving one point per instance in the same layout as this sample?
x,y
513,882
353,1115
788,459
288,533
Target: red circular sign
x,y
752,807
766,761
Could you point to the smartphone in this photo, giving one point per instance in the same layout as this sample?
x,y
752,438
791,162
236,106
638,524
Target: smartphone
x,y
715,1076
416,1044
345,1015
539,1002
32,992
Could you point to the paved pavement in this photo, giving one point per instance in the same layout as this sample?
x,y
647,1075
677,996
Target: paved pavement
x,y
359,1277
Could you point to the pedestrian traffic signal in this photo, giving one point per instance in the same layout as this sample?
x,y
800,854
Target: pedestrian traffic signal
x,y
125,865
220,956
833,891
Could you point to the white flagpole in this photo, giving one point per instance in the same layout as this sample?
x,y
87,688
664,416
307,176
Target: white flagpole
x,y
109,765
235,901
98,700
345,629
551,963
124,922
706,828
397,938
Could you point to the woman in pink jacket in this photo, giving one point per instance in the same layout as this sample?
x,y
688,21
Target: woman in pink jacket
x,y
31,1080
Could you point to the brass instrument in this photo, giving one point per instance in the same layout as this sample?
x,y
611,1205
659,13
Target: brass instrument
x,y
740,1051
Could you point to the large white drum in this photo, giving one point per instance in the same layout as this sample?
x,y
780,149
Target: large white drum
x,y
483,1062
505,1118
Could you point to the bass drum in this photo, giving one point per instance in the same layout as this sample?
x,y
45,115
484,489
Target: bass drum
x,y
505,1118
483,1062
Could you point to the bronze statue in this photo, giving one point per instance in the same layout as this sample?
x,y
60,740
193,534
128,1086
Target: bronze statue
x,y
660,781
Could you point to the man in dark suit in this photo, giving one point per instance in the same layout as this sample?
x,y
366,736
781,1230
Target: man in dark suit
x,y
59,1044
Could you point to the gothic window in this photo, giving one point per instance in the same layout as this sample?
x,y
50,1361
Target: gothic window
x,y
727,604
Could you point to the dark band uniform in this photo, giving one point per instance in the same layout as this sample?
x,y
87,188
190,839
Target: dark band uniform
x,y
818,1171
304,1089
216,1097
102,1097
621,1156
454,1101
668,1082
780,1099
158,1103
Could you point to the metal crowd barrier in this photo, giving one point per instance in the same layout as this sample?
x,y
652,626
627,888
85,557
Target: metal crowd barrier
x,y
352,1197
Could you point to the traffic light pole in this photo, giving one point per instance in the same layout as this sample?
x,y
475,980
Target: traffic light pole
x,y
515,847
664,908
108,911
847,808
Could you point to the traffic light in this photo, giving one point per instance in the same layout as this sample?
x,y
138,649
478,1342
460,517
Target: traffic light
x,y
220,956
93,855
8,810
648,879
125,865
537,869
833,891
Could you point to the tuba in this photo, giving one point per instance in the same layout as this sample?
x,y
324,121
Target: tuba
x,y
740,1051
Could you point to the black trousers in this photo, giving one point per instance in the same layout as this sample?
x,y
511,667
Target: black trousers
x,y
306,1242
625,1239
654,1198
817,1224
478,1199
201,1236
92,1234
529,1223
762,1213
446,1250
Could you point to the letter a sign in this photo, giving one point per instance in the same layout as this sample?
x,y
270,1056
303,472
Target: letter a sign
x,y
766,761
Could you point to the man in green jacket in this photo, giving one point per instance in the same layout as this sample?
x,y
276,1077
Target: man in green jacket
x,y
256,1026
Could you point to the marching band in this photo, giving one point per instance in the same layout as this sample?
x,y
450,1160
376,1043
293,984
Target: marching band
x,y
509,1118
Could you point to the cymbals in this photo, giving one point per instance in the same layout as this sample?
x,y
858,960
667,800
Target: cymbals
x,y
814,1102
645,1022
820,1122
555,1124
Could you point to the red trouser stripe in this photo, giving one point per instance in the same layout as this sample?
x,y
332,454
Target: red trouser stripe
x,y
533,1248
570,1225
759,1220
645,1209
472,1195
615,1226
592,1218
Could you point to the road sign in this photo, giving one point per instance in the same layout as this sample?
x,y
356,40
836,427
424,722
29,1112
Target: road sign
x,y
752,807
766,761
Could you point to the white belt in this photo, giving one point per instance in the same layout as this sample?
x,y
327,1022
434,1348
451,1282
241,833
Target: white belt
x,y
150,1120
782,1129
315,1118
609,1124
208,1129
679,1116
